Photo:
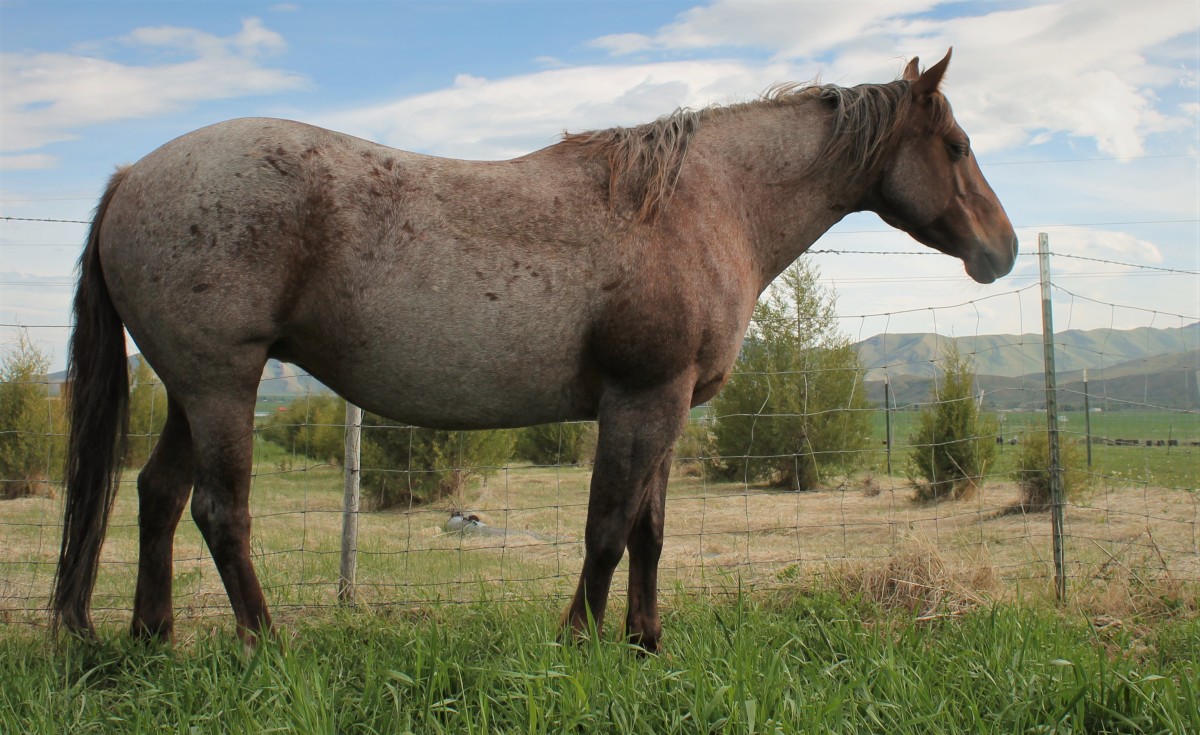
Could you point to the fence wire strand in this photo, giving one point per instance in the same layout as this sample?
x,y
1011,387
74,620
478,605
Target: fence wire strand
x,y
1133,521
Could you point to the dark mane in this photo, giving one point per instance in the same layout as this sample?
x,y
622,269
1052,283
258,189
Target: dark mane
x,y
644,161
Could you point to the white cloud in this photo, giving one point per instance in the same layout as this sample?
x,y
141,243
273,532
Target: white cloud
x,y
500,118
28,162
1100,245
47,96
791,29
1074,68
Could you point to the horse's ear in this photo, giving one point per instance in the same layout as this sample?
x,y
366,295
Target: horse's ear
x,y
926,84
913,71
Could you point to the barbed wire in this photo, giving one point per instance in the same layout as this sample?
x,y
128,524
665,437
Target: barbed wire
x,y
46,219
1141,509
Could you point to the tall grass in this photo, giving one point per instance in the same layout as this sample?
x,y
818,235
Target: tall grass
x,y
744,664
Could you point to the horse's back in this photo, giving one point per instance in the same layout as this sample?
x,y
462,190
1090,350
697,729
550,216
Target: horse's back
x,y
408,283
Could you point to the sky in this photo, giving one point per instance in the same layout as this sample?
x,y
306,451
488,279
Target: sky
x,y
1084,116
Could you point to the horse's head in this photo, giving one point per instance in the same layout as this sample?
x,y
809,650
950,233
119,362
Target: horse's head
x,y
932,187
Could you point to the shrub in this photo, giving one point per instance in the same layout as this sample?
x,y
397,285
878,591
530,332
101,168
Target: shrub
x,y
1032,470
553,444
696,450
32,422
311,425
954,443
403,465
147,412
795,406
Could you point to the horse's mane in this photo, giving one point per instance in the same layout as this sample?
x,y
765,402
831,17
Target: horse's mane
x,y
646,159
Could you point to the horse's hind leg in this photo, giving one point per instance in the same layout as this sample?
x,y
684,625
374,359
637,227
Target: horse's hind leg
x,y
163,487
222,439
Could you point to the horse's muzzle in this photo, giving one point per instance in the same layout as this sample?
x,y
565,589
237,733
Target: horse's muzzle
x,y
988,263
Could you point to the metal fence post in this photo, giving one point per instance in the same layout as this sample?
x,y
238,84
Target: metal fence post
x,y
1056,486
887,419
1087,419
350,497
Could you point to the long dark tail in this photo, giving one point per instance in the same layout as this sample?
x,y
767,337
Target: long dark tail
x,y
98,391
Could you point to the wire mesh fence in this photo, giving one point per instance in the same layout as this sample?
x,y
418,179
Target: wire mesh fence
x,y
437,526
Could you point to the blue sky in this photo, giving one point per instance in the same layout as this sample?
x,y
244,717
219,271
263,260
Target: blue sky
x,y
1085,117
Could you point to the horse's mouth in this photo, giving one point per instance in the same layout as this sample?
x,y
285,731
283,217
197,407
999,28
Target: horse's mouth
x,y
986,265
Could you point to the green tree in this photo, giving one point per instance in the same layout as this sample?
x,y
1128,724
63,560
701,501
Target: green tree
x,y
147,412
404,465
553,444
32,422
795,407
954,443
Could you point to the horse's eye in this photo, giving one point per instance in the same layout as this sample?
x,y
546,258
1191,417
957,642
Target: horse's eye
x,y
958,150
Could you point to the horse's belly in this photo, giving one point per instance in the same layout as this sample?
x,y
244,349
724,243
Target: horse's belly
x,y
464,371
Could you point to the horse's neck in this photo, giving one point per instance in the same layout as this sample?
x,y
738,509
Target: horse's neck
x,y
765,157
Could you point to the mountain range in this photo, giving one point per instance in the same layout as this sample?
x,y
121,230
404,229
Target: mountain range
x,y
1133,368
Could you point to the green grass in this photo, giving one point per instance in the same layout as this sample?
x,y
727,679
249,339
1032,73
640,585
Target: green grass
x,y
741,664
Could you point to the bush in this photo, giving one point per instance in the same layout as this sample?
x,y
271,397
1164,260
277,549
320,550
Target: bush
x,y
554,444
1032,471
954,443
795,406
311,425
33,424
147,412
403,465
696,450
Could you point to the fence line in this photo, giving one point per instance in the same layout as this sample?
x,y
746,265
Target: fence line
x,y
1135,528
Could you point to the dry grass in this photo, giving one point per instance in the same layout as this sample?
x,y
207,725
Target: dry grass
x,y
1131,551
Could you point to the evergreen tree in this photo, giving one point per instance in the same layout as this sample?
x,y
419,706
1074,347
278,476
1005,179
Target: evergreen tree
x,y
954,444
32,422
795,407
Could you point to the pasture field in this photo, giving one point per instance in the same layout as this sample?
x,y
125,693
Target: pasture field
x,y
1123,529
849,609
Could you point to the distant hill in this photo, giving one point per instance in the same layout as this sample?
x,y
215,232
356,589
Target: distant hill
x,y
285,379
1166,381
1011,355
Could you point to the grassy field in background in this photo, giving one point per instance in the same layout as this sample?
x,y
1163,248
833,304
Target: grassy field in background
x,y
1159,466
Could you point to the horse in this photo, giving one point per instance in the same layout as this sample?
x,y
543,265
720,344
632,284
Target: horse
x,y
609,276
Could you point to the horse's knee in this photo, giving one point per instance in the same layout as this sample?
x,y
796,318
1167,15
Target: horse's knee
x,y
203,511
605,553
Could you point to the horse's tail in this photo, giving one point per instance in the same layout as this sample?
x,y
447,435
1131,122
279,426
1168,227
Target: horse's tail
x,y
98,393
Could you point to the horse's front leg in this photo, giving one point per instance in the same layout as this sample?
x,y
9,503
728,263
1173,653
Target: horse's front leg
x,y
642,626
637,432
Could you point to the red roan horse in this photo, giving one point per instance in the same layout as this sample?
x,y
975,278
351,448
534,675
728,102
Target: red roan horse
x,y
610,276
